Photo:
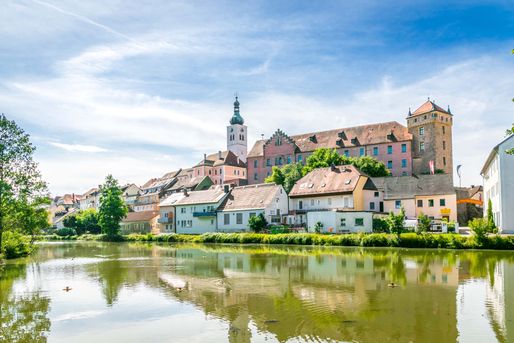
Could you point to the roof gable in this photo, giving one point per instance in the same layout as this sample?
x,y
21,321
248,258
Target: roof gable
x,y
251,197
340,179
429,106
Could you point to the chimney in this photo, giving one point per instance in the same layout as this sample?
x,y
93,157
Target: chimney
x,y
219,154
185,192
204,157
226,188
332,167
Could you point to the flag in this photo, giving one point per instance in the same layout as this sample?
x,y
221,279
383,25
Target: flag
x,y
431,165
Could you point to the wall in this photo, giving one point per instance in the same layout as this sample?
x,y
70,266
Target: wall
x,y
321,202
233,226
435,211
369,196
507,187
165,212
409,205
332,221
199,225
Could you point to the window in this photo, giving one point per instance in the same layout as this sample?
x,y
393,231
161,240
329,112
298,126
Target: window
x,y
444,130
346,202
226,219
312,202
430,202
280,161
434,115
444,160
389,149
255,177
442,202
404,163
398,204
444,145
377,194
362,151
183,210
300,204
404,147
300,158
343,222
268,162
422,131
278,142
420,202
421,146
389,164
375,151
347,153
289,159
255,163
371,206
359,221
252,214
239,218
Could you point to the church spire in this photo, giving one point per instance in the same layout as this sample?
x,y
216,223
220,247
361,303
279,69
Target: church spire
x,y
236,118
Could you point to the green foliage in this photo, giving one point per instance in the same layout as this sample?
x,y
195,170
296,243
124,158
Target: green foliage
x,y
369,165
286,176
85,221
15,245
380,225
276,229
396,222
451,226
490,217
322,158
318,227
65,231
423,223
22,191
481,228
112,207
257,223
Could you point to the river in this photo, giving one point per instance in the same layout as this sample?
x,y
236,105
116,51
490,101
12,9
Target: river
x,y
137,292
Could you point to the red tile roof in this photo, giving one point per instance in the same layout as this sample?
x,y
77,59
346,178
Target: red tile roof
x,y
143,216
250,197
222,158
337,180
428,106
344,137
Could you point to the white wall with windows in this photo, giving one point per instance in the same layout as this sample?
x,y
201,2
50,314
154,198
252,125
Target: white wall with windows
x,y
309,203
196,219
340,222
230,221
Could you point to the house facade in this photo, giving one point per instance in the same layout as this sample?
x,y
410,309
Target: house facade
x,y
140,222
195,213
90,199
498,176
130,194
334,197
153,191
167,213
244,202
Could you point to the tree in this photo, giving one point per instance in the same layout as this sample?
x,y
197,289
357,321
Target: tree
x,y
85,221
369,165
286,176
396,221
21,186
423,223
112,207
490,218
322,158
510,132
257,223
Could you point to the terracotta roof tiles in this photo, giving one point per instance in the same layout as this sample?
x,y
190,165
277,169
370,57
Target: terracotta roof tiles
x,y
250,197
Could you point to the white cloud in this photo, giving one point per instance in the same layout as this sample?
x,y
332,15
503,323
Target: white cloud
x,y
78,147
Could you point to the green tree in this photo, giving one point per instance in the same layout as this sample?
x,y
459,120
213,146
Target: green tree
x,y
423,223
257,223
287,176
322,158
21,186
510,132
396,222
85,221
112,207
490,218
369,165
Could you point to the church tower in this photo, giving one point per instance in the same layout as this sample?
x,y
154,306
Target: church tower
x,y
237,134
431,129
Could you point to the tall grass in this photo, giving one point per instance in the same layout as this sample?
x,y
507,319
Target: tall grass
x,y
405,240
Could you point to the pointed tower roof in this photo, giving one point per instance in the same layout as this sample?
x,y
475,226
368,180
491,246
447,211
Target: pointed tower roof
x,y
429,106
236,118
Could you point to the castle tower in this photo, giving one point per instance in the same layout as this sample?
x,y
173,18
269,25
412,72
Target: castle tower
x,y
431,129
237,134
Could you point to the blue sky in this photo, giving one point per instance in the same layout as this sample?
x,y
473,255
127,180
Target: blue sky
x,y
136,91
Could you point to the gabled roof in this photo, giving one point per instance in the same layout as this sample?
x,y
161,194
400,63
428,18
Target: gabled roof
x,y
250,197
331,180
91,192
188,183
172,199
429,106
407,187
222,158
493,153
349,137
143,216
202,197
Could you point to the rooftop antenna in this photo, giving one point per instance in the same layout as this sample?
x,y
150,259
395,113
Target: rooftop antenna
x,y
459,174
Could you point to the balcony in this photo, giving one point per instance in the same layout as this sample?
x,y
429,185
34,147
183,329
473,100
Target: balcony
x,y
165,220
204,214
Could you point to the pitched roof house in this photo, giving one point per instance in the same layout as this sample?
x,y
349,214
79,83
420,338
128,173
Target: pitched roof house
x,y
140,222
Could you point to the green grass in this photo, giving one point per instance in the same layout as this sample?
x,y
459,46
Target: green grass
x,y
405,240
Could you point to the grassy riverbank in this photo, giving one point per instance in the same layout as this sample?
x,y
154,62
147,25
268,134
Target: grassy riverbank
x,y
405,240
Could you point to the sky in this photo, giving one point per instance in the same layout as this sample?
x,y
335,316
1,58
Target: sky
x,y
117,87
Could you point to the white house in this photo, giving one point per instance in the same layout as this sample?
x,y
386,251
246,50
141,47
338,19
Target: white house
x,y
334,197
196,212
130,194
90,199
245,202
498,175
167,212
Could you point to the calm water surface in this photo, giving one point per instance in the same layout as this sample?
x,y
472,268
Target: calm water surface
x,y
228,293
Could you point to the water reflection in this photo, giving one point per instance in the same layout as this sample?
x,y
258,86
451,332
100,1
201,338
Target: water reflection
x,y
273,293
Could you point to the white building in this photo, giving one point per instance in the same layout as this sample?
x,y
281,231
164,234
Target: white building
x,y
245,202
498,175
90,199
167,213
195,213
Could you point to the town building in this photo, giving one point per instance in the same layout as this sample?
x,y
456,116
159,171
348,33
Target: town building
x,y
153,191
195,213
90,199
130,193
470,203
140,222
333,196
223,167
431,129
167,213
432,195
245,202
498,176
425,142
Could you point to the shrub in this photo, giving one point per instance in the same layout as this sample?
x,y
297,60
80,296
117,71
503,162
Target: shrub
x,y
396,221
318,227
423,223
257,223
480,228
14,245
380,225
66,231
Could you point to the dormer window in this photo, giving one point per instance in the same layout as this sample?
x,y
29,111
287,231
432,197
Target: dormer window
x,y
355,141
313,138
342,135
